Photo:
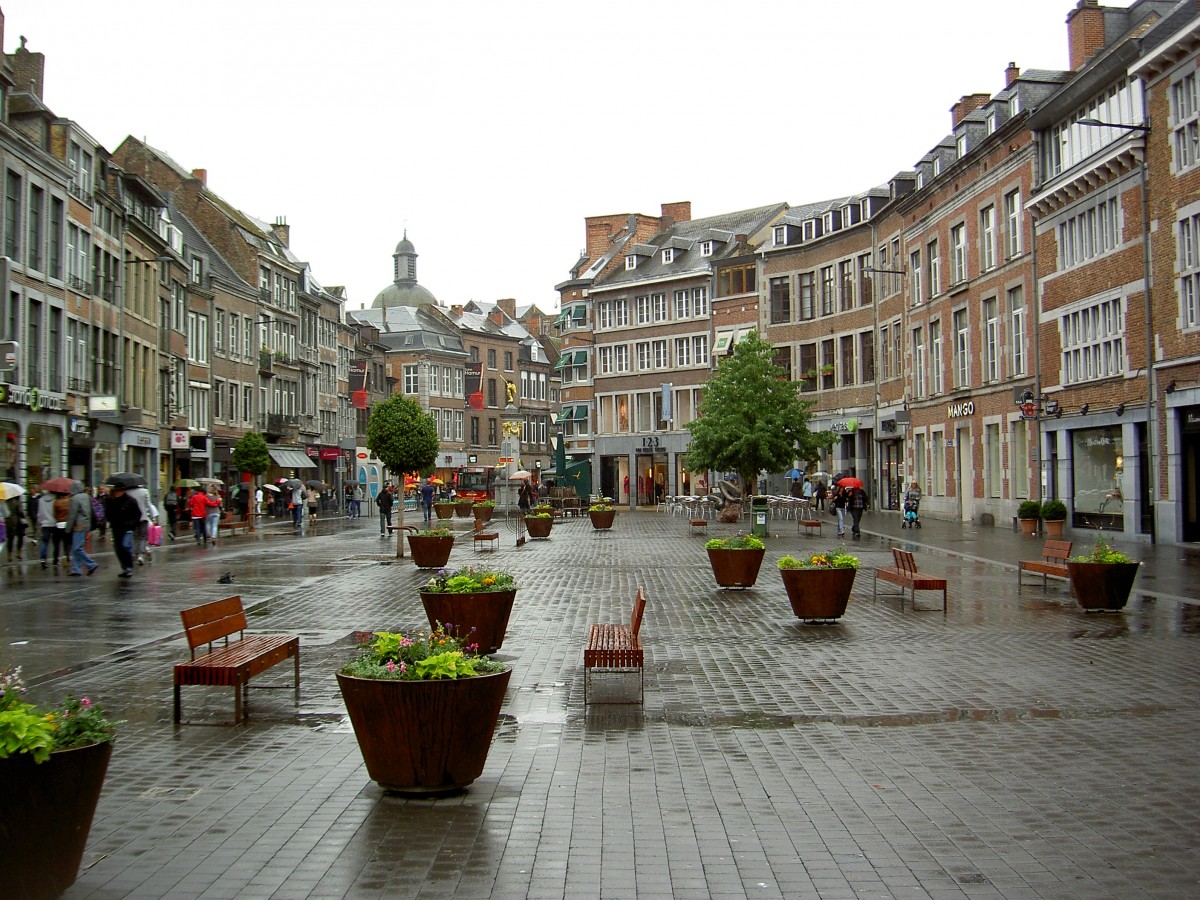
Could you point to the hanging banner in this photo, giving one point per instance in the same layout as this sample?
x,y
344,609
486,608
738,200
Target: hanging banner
x,y
358,383
474,384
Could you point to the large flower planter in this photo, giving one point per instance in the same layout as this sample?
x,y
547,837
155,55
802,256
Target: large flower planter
x,y
45,814
482,513
444,510
463,508
818,593
430,552
486,612
1054,527
602,520
1103,586
424,737
735,568
538,526
1028,526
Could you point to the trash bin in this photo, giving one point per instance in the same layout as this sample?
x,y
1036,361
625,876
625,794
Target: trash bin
x,y
758,514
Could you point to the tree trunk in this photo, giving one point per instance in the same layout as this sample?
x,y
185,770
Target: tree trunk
x,y
399,507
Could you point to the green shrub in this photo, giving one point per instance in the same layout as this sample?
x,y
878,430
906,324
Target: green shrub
x,y
1029,509
1054,511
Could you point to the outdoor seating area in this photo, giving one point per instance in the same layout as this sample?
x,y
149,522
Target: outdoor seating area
x,y
1053,562
616,648
905,574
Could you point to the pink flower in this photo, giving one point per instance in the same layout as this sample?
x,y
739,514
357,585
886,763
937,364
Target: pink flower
x,y
403,668
391,666
85,702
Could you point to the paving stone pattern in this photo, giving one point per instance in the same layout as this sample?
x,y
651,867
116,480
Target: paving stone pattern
x,y
1013,747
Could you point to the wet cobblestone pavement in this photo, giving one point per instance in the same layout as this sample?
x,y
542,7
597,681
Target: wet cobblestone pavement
x,y
1013,747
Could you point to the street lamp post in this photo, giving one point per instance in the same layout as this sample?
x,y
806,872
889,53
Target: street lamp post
x,y
1151,426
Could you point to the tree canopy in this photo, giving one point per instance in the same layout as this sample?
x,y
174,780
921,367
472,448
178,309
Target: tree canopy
x,y
404,438
752,418
250,454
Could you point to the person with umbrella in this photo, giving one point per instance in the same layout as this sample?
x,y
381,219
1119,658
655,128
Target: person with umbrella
x,y
123,514
856,502
838,500
198,504
171,504
819,494
15,526
427,492
79,522
313,496
212,513
44,519
296,505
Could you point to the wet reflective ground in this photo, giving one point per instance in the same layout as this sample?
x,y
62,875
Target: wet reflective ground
x,y
1013,747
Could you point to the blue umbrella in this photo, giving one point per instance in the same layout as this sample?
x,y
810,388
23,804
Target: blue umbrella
x,y
793,473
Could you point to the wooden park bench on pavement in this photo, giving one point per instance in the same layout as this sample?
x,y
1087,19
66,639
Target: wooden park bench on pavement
x,y
233,523
906,575
230,664
485,540
616,647
1053,562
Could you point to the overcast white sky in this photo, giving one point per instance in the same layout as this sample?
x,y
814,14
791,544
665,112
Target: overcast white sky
x,y
490,129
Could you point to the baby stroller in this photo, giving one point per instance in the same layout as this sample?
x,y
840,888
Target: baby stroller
x,y
912,516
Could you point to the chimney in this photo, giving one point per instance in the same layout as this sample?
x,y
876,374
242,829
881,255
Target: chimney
x,y
456,310
677,212
1011,74
509,305
965,106
496,314
1085,32
282,230
28,70
201,175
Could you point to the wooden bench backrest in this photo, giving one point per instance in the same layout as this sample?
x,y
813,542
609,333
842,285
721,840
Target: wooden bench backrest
x,y
904,561
211,621
639,607
1059,550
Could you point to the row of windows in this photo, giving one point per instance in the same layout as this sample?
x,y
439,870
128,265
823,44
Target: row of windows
x,y
232,402
925,265
683,352
669,255
647,309
933,459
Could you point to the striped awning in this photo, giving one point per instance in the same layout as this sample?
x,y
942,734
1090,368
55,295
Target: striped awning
x,y
291,459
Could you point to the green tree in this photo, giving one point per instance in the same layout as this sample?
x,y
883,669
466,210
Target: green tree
x,y
250,455
752,418
404,438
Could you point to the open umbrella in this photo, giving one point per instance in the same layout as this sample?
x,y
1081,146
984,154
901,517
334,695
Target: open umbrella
x,y
270,487
849,481
8,490
793,474
315,483
126,480
292,483
210,481
186,483
59,485
520,475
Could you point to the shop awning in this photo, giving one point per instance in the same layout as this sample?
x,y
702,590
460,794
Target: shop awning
x,y
291,459
572,414
572,358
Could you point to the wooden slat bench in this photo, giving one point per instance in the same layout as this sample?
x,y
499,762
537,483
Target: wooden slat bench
x,y
808,525
700,525
228,521
1053,562
485,540
906,575
616,647
230,664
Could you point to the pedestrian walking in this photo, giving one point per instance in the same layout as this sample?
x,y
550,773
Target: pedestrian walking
x,y
838,501
857,503
524,498
44,519
15,526
384,501
807,490
198,503
314,500
427,492
171,505
212,516
258,501
356,502
296,505
123,514
80,520
819,494
140,534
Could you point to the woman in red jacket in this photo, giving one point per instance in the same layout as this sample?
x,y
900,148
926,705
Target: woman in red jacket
x,y
198,504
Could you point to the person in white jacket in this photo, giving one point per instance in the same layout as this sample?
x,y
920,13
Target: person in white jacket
x,y
141,550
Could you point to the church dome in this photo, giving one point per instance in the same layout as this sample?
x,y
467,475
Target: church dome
x,y
404,290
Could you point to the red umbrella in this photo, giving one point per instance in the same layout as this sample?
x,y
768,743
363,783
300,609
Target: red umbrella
x,y
58,485
850,482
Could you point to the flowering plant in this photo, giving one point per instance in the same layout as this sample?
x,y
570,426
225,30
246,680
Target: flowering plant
x,y
1102,553
737,542
832,559
433,532
26,729
484,504
443,501
418,656
469,580
604,505
538,514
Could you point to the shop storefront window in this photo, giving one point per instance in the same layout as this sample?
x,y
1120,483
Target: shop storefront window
x,y
43,454
1097,462
10,462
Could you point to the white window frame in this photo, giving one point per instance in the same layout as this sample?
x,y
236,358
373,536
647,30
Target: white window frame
x,y
621,358
990,362
1017,313
987,238
621,313
958,253
668,255
1188,264
961,355
630,263
1093,341
1012,218
1185,122
706,248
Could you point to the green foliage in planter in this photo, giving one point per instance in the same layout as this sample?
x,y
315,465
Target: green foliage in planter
x,y
469,580
483,504
737,542
1029,509
433,532
600,507
1102,553
1054,511
396,656
24,728
532,514
833,559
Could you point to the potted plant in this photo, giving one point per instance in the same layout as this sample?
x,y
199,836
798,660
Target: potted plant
x,y
602,514
1027,515
735,561
424,709
444,509
477,601
463,507
538,523
1054,514
827,369
482,510
52,768
1103,578
431,547
818,586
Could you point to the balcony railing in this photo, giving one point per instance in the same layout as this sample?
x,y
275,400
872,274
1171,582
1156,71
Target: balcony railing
x,y
266,362
309,424
78,284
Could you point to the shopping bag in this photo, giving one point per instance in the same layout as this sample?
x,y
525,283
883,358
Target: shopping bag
x,y
154,535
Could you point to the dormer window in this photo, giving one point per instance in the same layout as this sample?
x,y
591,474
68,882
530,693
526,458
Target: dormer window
x,y
920,180
1014,105
992,121
630,263
937,166
961,145
706,248
808,231
780,235
668,256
